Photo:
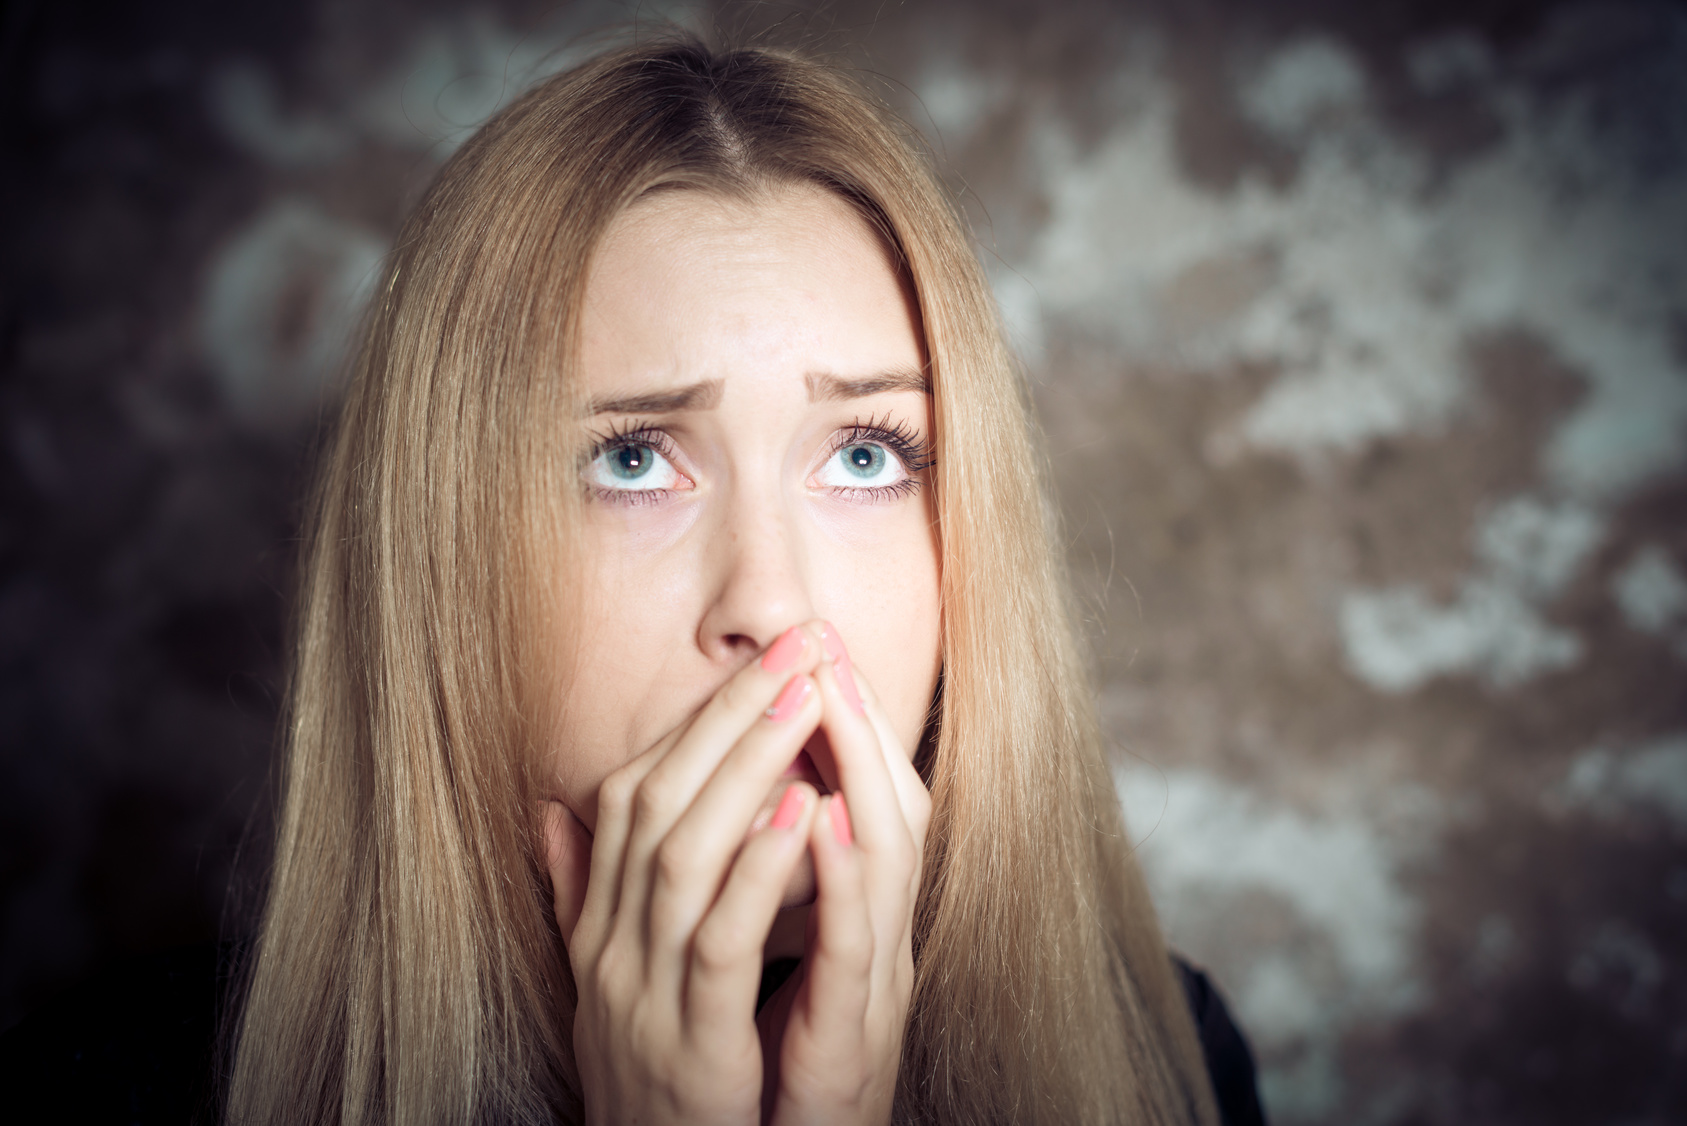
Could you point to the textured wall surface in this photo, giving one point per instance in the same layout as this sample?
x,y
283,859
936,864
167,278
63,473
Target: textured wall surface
x,y
1360,337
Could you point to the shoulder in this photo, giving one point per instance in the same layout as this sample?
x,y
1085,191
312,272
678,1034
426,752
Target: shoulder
x,y
134,1044
1230,1063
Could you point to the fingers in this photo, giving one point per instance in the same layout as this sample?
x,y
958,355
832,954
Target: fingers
x,y
568,854
609,845
911,791
842,948
668,789
882,814
728,714
734,750
687,868
726,952
885,808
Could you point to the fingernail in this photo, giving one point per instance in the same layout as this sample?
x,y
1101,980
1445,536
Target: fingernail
x,y
846,685
834,644
789,807
840,821
790,699
782,654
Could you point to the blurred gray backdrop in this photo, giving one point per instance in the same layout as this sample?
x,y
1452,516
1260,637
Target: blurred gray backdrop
x,y
1360,337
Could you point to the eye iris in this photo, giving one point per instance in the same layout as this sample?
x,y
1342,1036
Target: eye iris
x,y
630,462
864,460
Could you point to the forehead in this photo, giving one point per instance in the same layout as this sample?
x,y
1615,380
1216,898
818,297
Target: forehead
x,y
689,285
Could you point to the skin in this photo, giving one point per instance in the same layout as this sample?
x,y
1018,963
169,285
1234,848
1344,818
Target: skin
x,y
760,422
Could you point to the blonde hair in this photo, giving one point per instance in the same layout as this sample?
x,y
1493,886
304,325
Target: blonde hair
x,y
407,968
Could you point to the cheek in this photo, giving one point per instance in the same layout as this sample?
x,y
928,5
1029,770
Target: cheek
x,y
883,592
615,655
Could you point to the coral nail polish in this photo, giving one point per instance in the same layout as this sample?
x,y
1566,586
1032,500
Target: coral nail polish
x,y
834,644
840,821
783,653
789,807
846,685
790,699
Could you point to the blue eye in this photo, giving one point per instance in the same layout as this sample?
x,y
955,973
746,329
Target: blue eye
x,y
864,460
862,465
629,463
633,466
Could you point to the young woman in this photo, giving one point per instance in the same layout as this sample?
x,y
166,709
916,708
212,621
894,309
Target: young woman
x,y
688,723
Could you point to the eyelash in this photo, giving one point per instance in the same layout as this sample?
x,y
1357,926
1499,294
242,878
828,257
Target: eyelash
x,y
913,451
629,434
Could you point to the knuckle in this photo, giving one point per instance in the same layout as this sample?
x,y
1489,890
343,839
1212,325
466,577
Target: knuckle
x,y
616,793
674,863
651,799
716,946
605,974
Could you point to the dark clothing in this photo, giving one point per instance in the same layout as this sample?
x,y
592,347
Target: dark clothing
x,y
1229,1062
137,1044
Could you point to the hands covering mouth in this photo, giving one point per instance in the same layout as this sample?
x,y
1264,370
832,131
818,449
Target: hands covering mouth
x,y
666,908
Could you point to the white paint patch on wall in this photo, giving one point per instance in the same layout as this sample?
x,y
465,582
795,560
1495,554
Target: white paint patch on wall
x,y
1652,594
1199,836
1302,86
1529,550
1611,783
1536,546
1378,274
281,302
1397,640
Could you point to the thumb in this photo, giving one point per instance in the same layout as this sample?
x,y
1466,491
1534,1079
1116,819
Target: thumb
x,y
568,854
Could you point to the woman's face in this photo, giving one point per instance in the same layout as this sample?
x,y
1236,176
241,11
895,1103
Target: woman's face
x,y
760,425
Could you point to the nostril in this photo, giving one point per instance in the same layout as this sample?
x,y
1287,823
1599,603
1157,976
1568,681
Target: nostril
x,y
737,643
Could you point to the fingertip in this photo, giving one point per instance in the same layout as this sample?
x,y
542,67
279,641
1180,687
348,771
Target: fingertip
x,y
793,804
832,832
833,642
838,814
792,698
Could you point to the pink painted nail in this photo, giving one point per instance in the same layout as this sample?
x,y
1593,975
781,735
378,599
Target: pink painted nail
x,y
840,821
834,644
789,807
790,699
783,653
846,685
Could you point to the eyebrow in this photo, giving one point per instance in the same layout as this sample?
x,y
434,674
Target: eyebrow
x,y
824,388
706,395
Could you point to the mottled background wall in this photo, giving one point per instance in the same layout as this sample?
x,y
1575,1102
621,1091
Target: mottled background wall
x,y
1360,333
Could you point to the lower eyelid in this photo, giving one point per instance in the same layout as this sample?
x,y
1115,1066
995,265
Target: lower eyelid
x,y
631,498
870,494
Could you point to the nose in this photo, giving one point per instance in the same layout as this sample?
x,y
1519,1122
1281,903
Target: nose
x,y
757,582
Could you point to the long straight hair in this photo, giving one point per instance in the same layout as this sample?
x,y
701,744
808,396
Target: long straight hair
x,y
407,968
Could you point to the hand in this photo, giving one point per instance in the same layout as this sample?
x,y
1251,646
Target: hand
x,y
665,915
844,1012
